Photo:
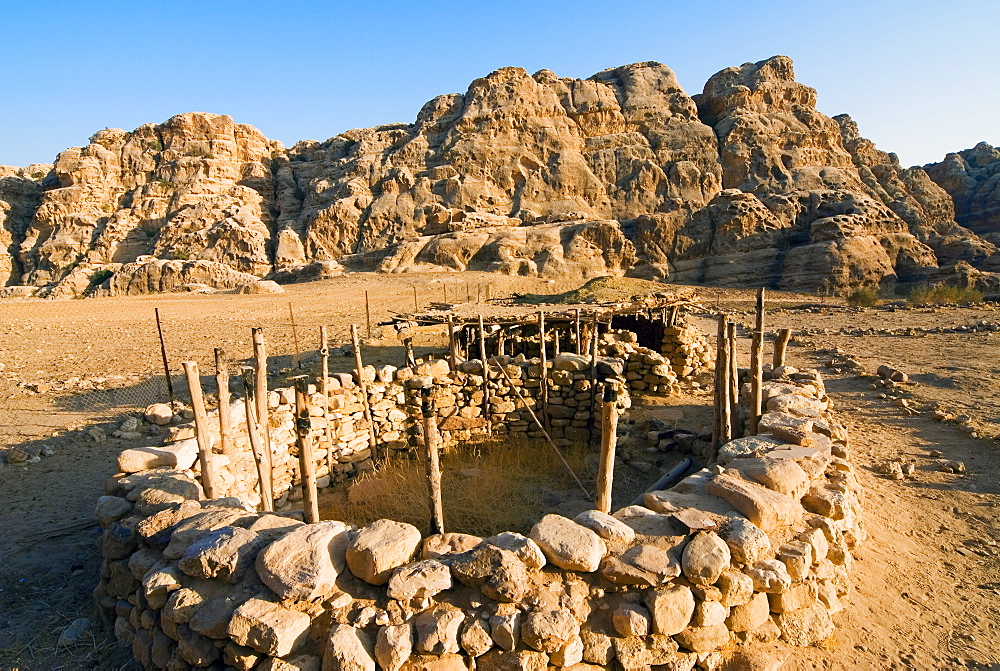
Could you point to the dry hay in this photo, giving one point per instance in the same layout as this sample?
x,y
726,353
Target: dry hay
x,y
487,487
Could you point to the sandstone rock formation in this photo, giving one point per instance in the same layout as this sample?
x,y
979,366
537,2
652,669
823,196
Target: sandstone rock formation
x,y
972,178
622,173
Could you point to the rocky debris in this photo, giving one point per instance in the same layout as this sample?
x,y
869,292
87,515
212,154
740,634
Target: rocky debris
x,y
226,554
349,649
567,544
705,557
605,526
304,563
420,580
268,628
497,572
394,645
381,547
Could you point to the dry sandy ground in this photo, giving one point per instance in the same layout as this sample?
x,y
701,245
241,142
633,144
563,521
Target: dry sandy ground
x,y
927,579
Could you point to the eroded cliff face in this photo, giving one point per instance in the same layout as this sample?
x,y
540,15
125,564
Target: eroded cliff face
x,y
972,178
197,186
523,174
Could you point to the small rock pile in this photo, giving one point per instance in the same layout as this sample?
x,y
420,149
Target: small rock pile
x,y
688,350
756,547
645,371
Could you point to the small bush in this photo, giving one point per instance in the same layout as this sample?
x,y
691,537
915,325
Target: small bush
x,y
942,293
100,276
181,254
154,145
864,297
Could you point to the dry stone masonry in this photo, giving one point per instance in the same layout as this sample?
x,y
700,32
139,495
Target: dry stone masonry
x,y
755,547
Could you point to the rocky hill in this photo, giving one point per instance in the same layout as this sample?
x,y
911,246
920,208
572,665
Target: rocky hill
x,y
622,173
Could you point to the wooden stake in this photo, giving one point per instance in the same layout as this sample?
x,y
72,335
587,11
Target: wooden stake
x,y
365,401
721,430
324,358
260,392
780,344
368,313
672,315
208,477
486,376
264,485
444,287
222,394
478,294
468,293
593,376
307,465
543,377
489,292
416,306
757,366
452,345
579,342
609,440
735,428
163,354
295,337
433,463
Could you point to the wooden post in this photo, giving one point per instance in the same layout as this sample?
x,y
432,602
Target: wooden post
x,y
295,337
593,376
222,394
411,360
444,287
579,343
256,445
543,377
208,478
489,292
324,358
780,344
307,466
609,440
672,315
757,366
721,432
735,428
468,293
260,392
433,462
486,375
416,306
163,355
452,345
479,298
368,313
365,401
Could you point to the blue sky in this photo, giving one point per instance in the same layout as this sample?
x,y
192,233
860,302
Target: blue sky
x,y
921,78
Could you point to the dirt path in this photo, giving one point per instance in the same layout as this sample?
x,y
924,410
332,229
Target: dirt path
x,y
927,579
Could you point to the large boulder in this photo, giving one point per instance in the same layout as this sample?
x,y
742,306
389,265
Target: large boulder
x,y
304,563
381,547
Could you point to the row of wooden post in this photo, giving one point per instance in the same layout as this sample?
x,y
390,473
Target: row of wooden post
x,y
726,416
255,399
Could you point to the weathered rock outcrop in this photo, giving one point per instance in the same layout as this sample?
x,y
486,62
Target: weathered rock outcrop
x,y
622,173
972,178
20,193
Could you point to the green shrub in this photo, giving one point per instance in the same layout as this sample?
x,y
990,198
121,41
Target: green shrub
x,y
864,297
100,276
154,145
942,293
181,254
198,153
